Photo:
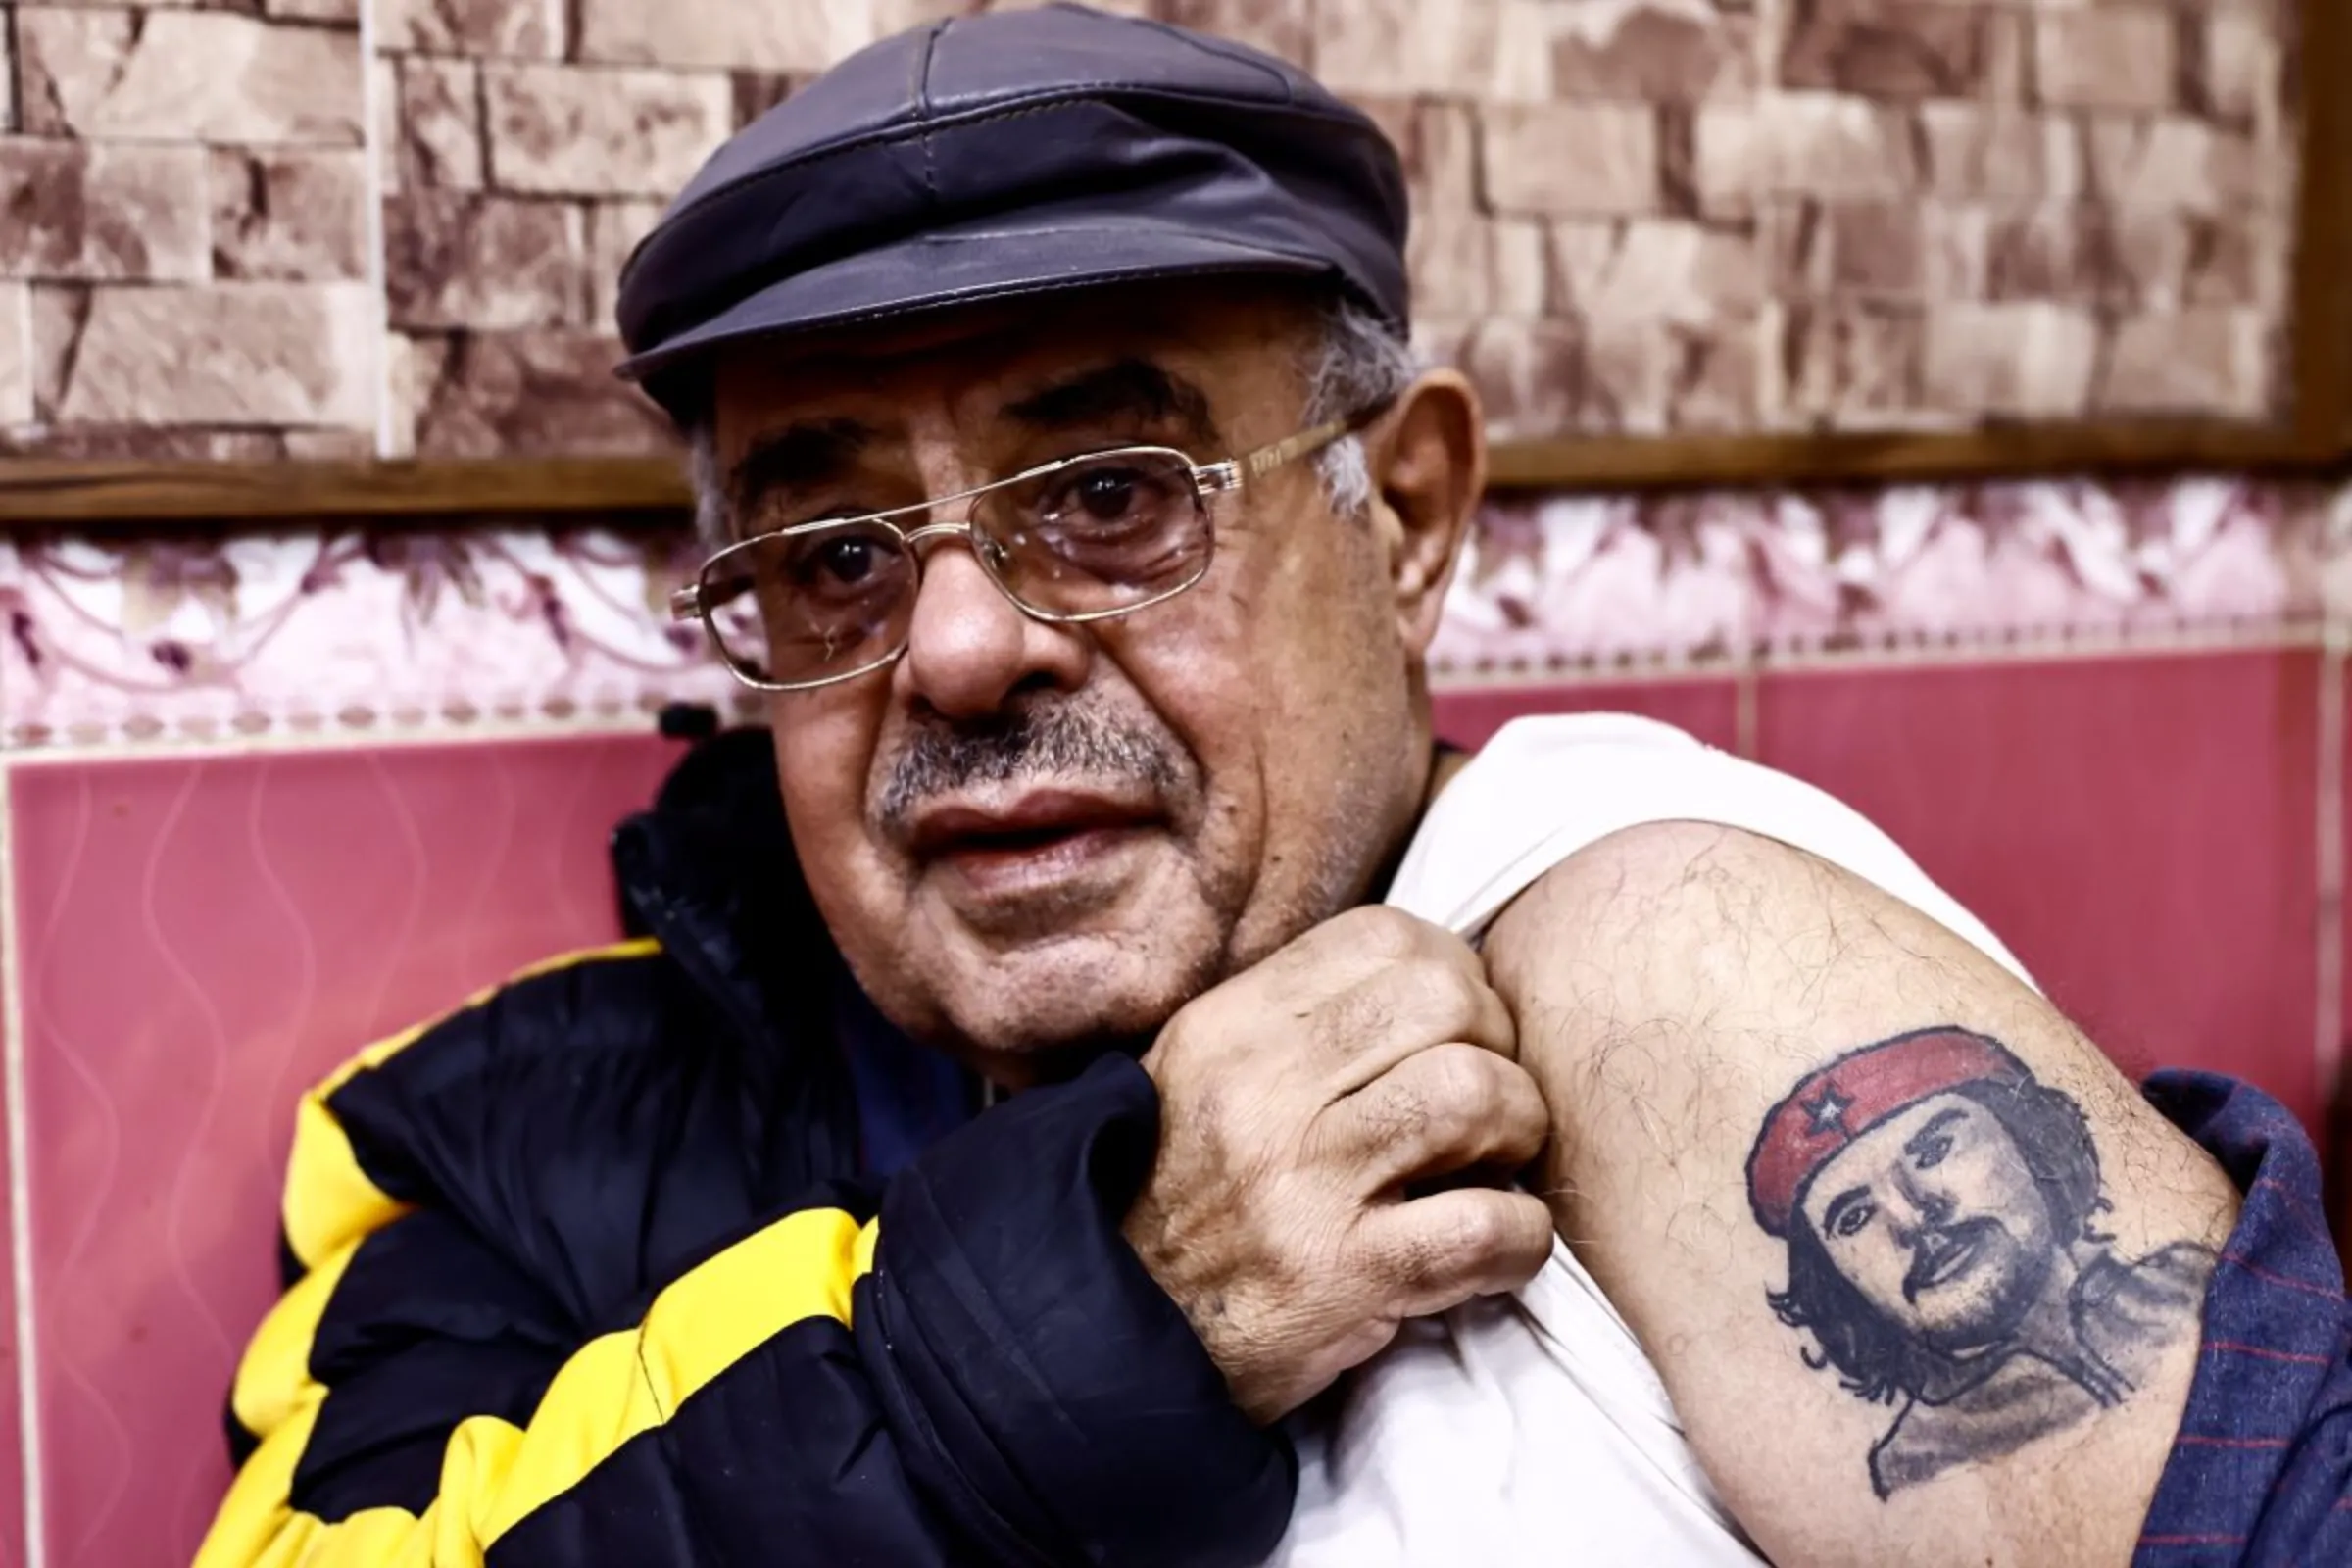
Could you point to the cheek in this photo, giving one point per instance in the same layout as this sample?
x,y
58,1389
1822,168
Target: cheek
x,y
1991,1179
1869,1258
1326,664
1190,675
2022,1198
824,750
1198,663
1889,1261
1274,675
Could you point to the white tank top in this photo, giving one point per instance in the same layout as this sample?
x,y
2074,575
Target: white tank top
x,y
1531,1428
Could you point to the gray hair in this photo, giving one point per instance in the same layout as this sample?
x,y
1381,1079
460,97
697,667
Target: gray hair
x,y
1357,362
710,524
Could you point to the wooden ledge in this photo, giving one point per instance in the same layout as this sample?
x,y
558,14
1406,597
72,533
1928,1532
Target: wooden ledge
x,y
2020,452
38,492
651,492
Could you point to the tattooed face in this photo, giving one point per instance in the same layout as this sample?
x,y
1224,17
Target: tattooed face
x,y
1934,1218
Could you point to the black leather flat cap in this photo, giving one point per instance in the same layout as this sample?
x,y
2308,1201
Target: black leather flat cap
x,y
1017,153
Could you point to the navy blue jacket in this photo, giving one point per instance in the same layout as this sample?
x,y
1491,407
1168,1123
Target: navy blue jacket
x,y
584,1273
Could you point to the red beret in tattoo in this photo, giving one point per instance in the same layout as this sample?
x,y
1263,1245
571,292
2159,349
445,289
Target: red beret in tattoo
x,y
1829,1108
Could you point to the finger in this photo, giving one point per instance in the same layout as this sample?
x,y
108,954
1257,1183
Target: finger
x,y
1359,943
1437,1253
1447,1108
1363,1033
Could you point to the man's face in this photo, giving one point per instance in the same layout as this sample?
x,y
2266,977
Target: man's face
x,y
1934,1218
1027,836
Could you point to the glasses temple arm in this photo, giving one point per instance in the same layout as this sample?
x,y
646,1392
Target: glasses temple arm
x,y
1266,458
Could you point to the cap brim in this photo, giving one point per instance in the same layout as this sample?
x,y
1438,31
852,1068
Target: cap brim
x,y
945,269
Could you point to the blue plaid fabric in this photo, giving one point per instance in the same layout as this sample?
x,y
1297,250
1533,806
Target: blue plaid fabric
x,y
2261,1473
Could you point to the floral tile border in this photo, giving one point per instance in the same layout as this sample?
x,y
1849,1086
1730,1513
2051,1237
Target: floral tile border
x,y
302,632
343,632
1568,584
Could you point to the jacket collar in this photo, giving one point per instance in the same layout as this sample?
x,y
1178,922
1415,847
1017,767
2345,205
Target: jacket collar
x,y
709,871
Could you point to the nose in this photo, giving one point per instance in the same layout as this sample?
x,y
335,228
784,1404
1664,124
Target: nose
x,y
1915,1207
969,647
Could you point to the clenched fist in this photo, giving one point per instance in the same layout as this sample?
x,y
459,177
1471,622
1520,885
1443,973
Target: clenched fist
x,y
1312,1111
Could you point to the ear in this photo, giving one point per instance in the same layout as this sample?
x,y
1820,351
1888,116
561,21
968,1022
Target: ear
x,y
1428,459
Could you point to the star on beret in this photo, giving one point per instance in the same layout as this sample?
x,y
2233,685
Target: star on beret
x,y
1827,1110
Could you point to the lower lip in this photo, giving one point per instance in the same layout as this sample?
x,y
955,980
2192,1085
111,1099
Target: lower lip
x,y
995,870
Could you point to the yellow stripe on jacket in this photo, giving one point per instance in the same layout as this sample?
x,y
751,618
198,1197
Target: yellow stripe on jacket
x,y
495,1475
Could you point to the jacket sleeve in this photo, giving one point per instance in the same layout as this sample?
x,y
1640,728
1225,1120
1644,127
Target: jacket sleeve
x,y
974,1370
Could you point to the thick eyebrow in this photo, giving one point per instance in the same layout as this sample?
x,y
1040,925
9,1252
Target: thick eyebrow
x,y
1840,1203
1936,1124
798,457
1126,392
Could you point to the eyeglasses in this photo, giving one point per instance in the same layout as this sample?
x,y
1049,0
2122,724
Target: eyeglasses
x,y
1082,539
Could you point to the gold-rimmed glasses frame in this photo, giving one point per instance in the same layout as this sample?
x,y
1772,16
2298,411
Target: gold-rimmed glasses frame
x,y
696,601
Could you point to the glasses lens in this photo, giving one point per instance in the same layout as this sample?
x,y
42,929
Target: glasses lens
x,y
1103,533
810,604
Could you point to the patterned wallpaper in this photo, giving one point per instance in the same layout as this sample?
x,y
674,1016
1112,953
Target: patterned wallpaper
x,y
352,636
230,233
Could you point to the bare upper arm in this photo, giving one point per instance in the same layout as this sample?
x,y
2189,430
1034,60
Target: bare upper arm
x,y
1922,1271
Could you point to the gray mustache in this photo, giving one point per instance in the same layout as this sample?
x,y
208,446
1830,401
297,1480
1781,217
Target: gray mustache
x,y
1064,743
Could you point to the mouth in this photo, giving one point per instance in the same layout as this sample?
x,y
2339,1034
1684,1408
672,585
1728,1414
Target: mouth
x,y
1942,1257
1037,832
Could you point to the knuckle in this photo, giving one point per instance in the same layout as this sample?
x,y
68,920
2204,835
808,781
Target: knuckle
x,y
1479,1232
1435,1260
1411,1264
1405,1113
1516,1088
1192,1030
1461,1083
1431,1000
1353,1020
1378,931
1463,999
1522,1130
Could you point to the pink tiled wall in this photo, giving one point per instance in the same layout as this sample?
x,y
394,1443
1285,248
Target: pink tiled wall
x,y
1707,707
198,940
2140,831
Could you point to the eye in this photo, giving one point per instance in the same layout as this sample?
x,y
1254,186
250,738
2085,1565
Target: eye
x,y
834,565
1853,1219
839,561
1107,497
1928,1153
1106,494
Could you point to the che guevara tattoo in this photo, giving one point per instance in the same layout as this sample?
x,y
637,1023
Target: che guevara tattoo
x,y
1940,1208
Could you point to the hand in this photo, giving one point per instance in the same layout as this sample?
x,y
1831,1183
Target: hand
x,y
1307,1107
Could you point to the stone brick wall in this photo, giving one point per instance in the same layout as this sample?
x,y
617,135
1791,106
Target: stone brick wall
x,y
184,250
227,232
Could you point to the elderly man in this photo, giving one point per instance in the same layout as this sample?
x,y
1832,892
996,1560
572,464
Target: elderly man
x,y
1071,489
